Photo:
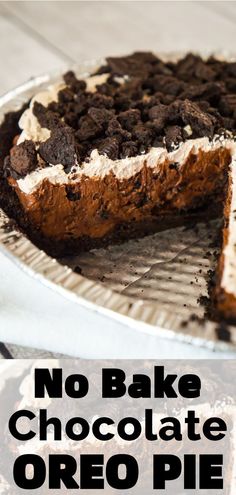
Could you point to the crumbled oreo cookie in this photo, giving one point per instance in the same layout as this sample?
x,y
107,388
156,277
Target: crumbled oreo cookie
x,y
60,148
137,64
128,149
158,111
201,122
207,92
114,129
88,129
192,67
75,84
129,118
9,129
143,135
101,116
173,136
72,193
47,118
227,105
144,103
109,147
101,101
23,159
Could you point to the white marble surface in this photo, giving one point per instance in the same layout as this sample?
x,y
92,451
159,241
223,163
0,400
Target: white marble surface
x,y
42,36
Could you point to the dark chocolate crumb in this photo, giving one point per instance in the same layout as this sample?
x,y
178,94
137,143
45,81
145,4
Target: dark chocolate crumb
x,y
60,148
223,332
103,213
72,195
23,159
203,300
78,269
109,147
173,166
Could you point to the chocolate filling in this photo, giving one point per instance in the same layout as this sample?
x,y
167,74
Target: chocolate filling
x,y
95,207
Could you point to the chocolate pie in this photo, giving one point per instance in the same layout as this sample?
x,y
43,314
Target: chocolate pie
x,y
139,145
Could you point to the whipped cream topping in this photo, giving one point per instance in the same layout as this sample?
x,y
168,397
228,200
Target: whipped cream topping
x,y
31,129
100,165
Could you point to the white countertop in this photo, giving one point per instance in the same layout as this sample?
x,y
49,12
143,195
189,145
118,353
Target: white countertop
x,y
42,36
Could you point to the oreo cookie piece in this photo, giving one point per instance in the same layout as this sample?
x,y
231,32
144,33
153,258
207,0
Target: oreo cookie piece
x,y
173,136
101,116
46,118
201,122
128,149
88,129
110,148
76,84
60,148
129,118
23,159
137,64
